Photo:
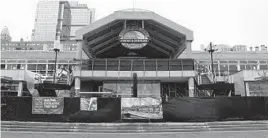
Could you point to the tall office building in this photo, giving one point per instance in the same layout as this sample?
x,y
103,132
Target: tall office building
x,y
81,16
52,21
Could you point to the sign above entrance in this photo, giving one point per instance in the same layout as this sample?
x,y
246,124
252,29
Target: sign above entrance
x,y
134,38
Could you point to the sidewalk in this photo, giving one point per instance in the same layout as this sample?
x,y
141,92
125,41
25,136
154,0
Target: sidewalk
x,y
133,127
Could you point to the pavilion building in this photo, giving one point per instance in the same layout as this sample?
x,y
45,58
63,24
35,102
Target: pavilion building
x,y
135,41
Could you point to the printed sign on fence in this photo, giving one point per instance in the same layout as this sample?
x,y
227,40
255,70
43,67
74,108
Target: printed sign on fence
x,y
141,108
47,105
258,88
88,104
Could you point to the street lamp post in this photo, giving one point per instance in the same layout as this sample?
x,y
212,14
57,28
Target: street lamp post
x,y
55,67
211,50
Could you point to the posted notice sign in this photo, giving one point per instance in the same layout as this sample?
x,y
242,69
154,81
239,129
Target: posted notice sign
x,y
88,104
141,108
47,105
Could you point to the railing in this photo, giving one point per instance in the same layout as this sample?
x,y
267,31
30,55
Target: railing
x,y
139,64
210,76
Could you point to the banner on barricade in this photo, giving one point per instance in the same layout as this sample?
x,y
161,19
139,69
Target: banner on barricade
x,y
47,105
88,104
141,108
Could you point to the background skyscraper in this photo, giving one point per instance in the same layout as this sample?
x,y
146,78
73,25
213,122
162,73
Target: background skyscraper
x,y
52,21
58,20
81,16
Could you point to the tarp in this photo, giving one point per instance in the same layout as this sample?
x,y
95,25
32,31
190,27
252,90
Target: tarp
x,y
20,109
29,77
220,108
109,109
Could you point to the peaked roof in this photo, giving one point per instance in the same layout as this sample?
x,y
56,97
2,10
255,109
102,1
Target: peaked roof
x,y
134,15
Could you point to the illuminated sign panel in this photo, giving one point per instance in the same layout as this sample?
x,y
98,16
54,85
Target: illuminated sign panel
x,y
134,38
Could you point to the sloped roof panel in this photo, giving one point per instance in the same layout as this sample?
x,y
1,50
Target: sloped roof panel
x,y
134,15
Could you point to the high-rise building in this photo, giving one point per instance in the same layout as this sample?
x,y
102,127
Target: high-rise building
x,y
52,21
81,16
5,34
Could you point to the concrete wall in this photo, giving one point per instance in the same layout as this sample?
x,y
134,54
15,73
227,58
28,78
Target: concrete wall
x,y
238,80
252,75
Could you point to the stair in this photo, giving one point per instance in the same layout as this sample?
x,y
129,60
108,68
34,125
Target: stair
x,y
205,79
133,127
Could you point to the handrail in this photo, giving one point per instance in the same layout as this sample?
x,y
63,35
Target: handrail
x,y
210,76
138,64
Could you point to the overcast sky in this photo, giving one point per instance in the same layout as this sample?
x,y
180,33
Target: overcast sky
x,y
219,21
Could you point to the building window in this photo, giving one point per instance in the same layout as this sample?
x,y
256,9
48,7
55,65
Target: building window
x,y
204,61
112,64
21,61
150,65
3,66
99,64
50,67
11,61
125,65
162,65
63,61
233,69
223,68
252,61
11,66
51,61
232,61
18,66
263,61
263,67
243,61
223,61
41,67
242,67
23,66
32,61
175,65
32,67
248,67
42,61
